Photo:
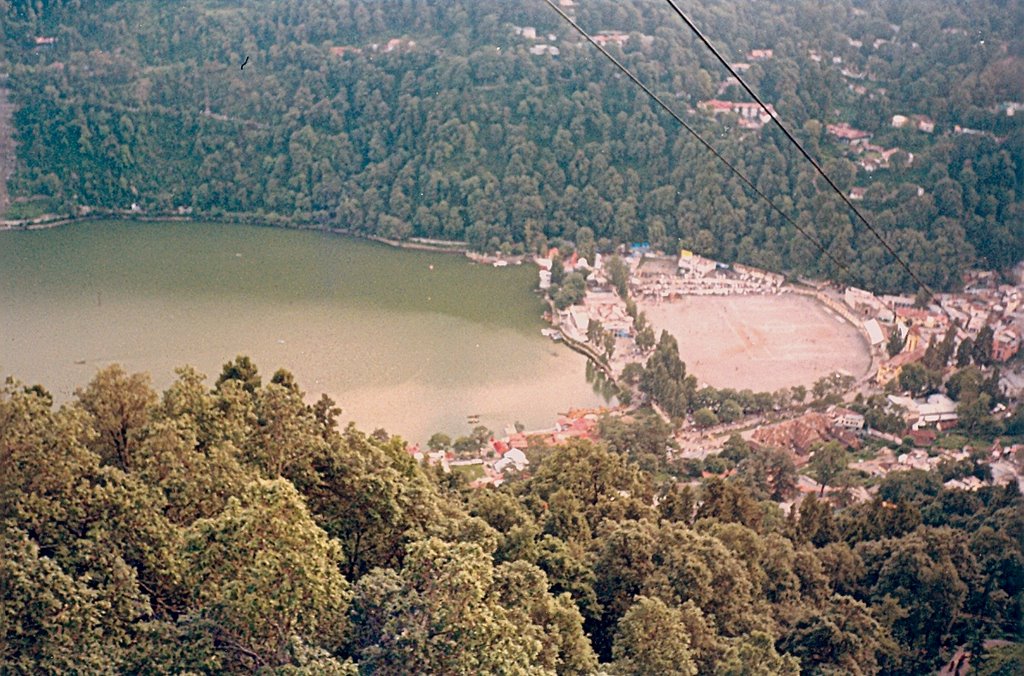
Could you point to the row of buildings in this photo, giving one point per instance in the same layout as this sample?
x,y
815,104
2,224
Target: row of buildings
x,y
983,302
664,277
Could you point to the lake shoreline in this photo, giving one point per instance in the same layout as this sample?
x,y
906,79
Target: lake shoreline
x,y
50,221
411,341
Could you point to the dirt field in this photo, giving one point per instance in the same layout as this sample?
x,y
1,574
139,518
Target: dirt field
x,y
760,342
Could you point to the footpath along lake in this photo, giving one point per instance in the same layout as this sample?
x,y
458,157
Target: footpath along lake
x,y
411,341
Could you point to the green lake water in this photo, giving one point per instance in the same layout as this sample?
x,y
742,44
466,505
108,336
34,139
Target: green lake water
x,y
410,341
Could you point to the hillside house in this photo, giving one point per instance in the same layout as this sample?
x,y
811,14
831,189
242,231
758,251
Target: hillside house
x,y
541,50
846,134
923,123
394,44
749,111
605,38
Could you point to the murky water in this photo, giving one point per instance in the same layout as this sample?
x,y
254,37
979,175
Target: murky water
x,y
406,340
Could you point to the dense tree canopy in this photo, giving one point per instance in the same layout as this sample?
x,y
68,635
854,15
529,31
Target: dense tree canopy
x,y
201,555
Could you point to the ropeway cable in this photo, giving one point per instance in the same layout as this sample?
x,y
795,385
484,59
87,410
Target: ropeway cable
x,y
707,43
664,106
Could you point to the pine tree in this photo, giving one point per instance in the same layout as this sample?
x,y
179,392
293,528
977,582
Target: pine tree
x,y
896,342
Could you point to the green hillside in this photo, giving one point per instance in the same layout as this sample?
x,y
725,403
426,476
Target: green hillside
x,y
435,119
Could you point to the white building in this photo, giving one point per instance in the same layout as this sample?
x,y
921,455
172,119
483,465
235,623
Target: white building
x,y
938,410
513,458
691,263
580,320
540,50
874,331
847,419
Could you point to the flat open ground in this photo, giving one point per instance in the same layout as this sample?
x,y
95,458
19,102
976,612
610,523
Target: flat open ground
x,y
760,342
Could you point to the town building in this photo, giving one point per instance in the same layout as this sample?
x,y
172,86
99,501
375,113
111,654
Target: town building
x,y
580,319
859,298
512,459
874,331
1005,344
748,272
692,264
845,418
890,369
920,317
937,410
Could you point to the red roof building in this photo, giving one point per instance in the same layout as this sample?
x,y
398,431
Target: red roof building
x,y
1005,344
847,134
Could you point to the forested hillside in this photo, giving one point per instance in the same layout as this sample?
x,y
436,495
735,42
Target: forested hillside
x,y
233,528
435,119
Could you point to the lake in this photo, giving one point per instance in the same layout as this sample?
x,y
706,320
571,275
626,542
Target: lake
x,y
411,341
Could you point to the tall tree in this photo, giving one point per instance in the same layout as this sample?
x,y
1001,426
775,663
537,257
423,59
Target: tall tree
x,y
651,639
263,575
118,406
895,343
828,461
